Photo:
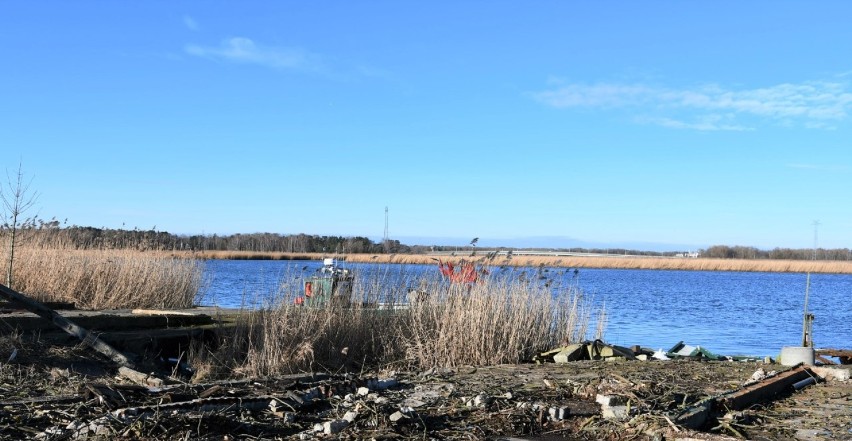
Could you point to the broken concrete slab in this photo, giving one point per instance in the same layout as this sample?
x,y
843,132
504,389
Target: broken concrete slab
x,y
569,353
588,350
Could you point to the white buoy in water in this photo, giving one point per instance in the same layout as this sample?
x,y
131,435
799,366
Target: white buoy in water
x,y
793,355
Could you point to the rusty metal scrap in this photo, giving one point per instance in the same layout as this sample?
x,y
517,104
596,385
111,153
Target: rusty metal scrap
x,y
764,389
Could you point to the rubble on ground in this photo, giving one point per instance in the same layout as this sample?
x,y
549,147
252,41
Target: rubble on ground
x,y
54,393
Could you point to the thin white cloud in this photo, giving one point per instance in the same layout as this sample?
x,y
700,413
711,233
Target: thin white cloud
x,y
190,23
706,123
815,104
596,95
245,51
818,167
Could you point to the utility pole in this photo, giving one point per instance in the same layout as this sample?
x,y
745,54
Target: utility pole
x,y
385,242
816,225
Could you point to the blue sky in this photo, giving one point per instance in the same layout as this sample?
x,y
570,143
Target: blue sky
x,y
666,124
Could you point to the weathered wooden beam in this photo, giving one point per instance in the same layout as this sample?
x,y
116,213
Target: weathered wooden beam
x,y
88,338
52,305
845,355
164,312
824,360
763,390
140,378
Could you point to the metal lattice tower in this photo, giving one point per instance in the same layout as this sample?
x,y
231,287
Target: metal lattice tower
x,y
385,238
816,225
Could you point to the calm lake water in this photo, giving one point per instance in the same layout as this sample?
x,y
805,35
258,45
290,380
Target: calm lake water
x,y
728,313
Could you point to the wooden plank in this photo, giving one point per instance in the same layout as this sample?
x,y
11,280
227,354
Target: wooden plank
x,y
835,352
52,305
66,325
140,378
845,355
164,312
824,360
109,320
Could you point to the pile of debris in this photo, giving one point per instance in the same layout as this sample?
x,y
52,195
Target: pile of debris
x,y
599,350
58,393
50,394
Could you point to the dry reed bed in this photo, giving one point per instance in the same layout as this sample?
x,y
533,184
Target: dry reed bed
x,y
608,262
105,279
493,322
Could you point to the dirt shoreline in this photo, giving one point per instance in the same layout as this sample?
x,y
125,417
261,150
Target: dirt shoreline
x,y
61,392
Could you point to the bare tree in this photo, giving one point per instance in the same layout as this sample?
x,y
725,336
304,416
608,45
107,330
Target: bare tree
x,y
17,199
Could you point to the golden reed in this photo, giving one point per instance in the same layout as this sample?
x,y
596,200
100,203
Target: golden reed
x,y
105,279
609,262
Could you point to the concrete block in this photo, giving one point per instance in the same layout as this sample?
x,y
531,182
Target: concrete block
x,y
613,406
793,355
611,400
615,412
350,416
334,427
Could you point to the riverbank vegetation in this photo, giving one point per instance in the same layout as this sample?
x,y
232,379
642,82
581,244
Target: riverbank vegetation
x,y
266,244
558,261
104,279
488,323
491,322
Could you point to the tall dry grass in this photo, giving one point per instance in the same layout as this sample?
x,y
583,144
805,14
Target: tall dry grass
x,y
275,335
495,321
104,279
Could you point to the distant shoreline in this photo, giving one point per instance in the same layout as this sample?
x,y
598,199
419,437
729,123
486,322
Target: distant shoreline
x,y
601,261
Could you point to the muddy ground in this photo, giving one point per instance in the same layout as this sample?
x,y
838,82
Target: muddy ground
x,y
50,392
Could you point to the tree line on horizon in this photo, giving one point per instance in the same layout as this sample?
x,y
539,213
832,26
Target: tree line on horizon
x,y
52,233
